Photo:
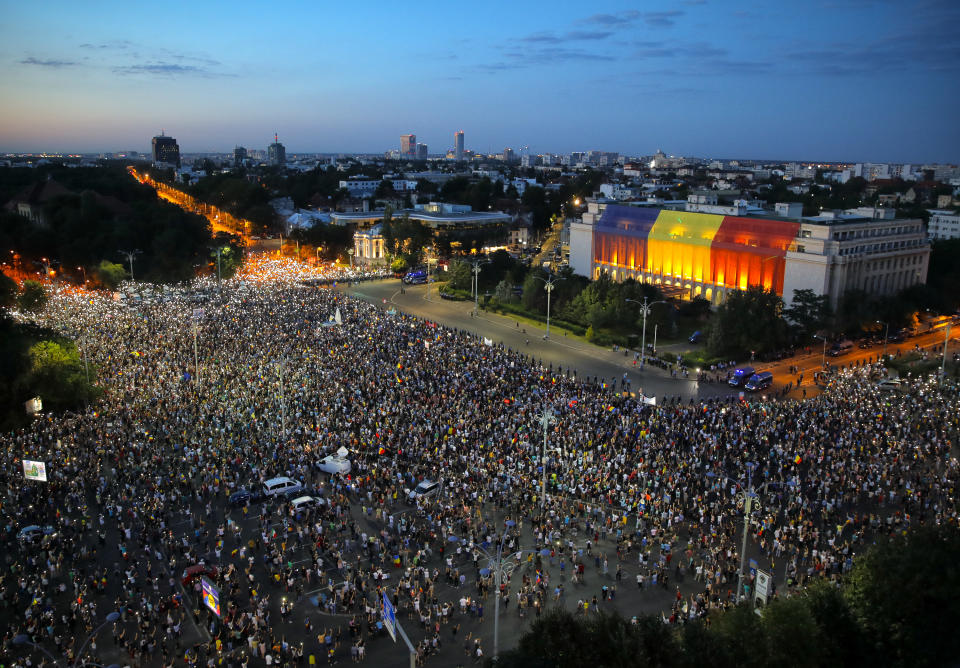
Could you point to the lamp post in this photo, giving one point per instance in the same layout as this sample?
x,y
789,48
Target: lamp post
x,y
645,309
749,498
350,252
499,568
823,356
130,255
24,639
943,363
476,283
886,336
545,419
84,274
548,285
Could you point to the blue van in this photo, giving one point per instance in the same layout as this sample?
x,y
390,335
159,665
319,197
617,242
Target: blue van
x,y
741,376
759,381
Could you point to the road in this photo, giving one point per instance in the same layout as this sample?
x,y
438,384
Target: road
x,y
559,351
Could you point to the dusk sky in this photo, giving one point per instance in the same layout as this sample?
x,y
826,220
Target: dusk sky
x,y
815,80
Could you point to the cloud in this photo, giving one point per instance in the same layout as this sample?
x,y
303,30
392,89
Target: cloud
x,y
620,18
541,37
572,36
51,63
662,19
165,69
588,34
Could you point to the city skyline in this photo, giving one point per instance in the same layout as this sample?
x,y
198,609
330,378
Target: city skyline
x,y
847,81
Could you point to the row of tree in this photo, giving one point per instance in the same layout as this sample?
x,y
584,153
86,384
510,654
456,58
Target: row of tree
x,y
897,607
37,362
105,213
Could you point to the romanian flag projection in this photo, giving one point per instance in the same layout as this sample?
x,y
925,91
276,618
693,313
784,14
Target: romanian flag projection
x,y
725,251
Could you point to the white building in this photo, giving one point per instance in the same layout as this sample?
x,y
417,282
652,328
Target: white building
x,y
709,255
944,224
368,246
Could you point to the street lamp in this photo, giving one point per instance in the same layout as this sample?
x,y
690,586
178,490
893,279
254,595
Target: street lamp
x,y
943,363
219,250
130,255
823,357
476,281
350,252
84,274
546,418
548,285
499,567
24,639
886,336
645,309
748,498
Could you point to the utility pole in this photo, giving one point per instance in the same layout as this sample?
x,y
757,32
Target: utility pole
x,y
283,405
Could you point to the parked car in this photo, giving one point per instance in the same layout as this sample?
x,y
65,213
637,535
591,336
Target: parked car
x,y
424,489
333,464
889,384
840,348
197,571
281,484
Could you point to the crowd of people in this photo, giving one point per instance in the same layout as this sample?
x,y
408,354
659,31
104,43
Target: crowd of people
x,y
261,381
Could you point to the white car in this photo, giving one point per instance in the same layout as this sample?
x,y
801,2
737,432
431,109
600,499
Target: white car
x,y
424,489
280,485
304,502
333,464
889,384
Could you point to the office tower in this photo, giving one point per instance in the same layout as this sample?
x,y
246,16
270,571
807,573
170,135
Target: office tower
x,y
458,145
276,153
239,155
408,145
166,152
421,151
508,155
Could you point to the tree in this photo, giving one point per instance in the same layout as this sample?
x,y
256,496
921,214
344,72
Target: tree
x,y
33,297
504,292
398,265
791,634
748,321
57,376
903,593
109,274
8,291
809,311
460,277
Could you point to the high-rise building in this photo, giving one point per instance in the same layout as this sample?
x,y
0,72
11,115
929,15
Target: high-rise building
x,y
458,145
276,153
239,155
166,151
508,155
421,151
408,145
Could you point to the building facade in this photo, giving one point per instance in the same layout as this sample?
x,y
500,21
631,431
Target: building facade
x,y
408,145
708,255
458,145
239,155
944,225
276,153
368,246
166,151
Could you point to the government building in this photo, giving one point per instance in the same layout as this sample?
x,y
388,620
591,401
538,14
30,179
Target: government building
x,y
690,253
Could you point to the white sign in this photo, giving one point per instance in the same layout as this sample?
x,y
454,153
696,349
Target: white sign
x,y
763,585
34,470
